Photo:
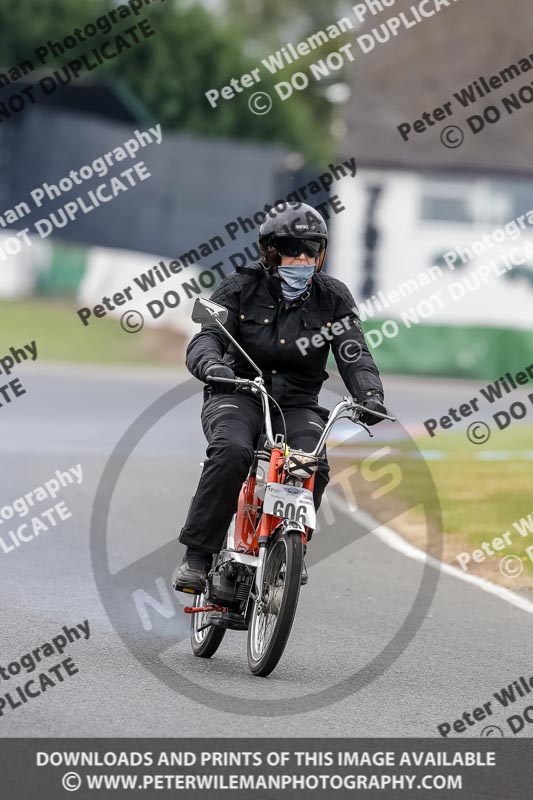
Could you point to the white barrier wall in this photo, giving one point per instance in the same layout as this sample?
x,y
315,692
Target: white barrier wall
x,y
19,272
110,271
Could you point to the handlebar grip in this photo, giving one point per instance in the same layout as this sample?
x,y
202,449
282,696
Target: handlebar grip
x,y
211,378
379,414
363,409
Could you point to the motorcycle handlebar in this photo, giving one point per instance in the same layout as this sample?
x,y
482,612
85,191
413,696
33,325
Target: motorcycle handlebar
x,y
211,378
356,406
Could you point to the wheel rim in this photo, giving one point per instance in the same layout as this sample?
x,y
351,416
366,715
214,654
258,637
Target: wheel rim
x,y
268,606
199,619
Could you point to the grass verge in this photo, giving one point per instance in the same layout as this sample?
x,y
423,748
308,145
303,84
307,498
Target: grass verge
x,y
478,499
61,336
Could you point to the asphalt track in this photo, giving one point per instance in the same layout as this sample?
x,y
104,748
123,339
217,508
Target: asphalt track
x,y
470,644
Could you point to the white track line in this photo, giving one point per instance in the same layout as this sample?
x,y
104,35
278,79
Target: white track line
x,y
397,542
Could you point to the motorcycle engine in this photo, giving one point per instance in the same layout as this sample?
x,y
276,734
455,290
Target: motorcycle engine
x,y
229,583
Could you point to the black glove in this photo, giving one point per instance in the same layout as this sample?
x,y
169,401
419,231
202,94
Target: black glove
x,y
219,370
373,401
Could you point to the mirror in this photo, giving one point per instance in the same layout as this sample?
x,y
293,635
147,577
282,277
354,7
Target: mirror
x,y
205,310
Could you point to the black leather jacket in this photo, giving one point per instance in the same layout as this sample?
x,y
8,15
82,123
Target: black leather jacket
x,y
289,343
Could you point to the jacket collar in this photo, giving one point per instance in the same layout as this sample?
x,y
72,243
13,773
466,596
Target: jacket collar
x,y
273,283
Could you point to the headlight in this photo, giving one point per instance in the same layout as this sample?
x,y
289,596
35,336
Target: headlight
x,y
301,466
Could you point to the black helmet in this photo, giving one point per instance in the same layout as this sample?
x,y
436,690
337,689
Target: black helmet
x,y
292,221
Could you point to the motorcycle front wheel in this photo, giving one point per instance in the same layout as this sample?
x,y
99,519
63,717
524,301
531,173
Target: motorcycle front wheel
x,y
273,612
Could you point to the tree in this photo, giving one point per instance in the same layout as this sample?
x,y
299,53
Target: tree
x,y
270,23
194,54
191,52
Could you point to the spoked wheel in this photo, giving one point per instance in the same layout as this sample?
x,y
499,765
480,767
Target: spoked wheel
x,y
273,613
204,643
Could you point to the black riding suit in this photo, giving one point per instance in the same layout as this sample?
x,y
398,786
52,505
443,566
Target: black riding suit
x,y
290,343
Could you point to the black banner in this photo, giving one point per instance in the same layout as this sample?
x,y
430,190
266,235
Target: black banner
x,y
265,768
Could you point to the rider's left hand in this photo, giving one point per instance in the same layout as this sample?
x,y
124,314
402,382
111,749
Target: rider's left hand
x,y
375,403
220,370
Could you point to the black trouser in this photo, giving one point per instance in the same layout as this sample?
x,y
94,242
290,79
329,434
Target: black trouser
x,y
232,424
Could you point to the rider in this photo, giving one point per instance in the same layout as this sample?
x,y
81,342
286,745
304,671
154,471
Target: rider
x,y
286,314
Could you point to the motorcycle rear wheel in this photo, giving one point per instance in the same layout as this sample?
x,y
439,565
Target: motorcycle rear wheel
x,y
204,643
272,614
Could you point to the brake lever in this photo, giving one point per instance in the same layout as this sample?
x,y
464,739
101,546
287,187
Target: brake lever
x,y
360,409
355,419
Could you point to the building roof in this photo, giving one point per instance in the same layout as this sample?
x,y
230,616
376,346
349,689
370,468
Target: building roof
x,y
422,68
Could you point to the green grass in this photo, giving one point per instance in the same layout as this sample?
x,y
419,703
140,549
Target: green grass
x,y
478,499
481,499
477,496
61,336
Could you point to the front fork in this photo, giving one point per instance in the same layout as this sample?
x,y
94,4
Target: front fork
x,y
256,589
284,526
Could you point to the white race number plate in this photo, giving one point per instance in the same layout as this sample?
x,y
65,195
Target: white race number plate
x,y
290,502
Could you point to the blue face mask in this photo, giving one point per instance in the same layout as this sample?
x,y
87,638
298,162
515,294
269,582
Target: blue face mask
x,y
295,279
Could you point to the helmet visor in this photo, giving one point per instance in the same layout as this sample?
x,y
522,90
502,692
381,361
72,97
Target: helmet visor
x,y
292,247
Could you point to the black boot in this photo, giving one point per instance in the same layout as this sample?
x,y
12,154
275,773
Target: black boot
x,y
191,575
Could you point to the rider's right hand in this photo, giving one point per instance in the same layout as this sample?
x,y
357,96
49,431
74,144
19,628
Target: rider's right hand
x,y
219,370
